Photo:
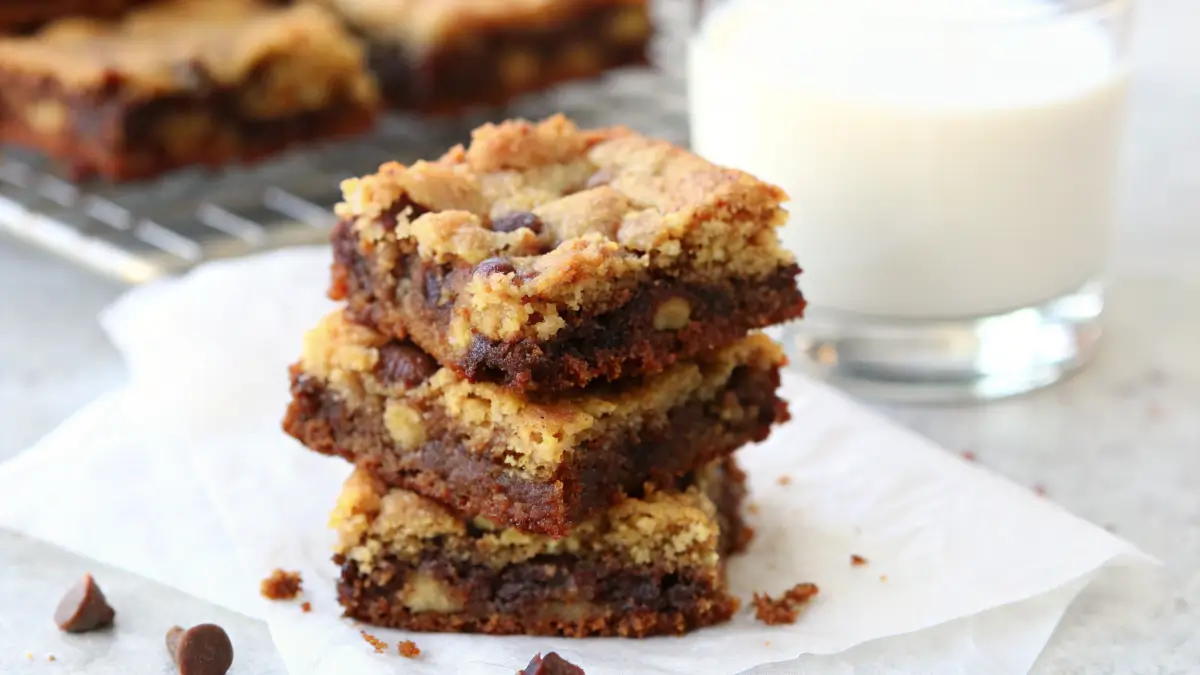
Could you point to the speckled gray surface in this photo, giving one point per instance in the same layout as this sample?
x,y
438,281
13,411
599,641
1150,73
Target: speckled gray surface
x,y
1119,444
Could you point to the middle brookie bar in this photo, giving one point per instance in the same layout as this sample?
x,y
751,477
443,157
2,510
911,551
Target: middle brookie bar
x,y
653,564
540,465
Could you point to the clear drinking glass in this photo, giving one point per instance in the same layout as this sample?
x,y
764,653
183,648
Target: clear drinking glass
x,y
952,167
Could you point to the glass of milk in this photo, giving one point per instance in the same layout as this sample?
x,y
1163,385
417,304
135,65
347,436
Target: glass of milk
x,y
952,168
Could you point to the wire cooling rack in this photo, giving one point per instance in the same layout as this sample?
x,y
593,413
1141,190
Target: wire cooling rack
x,y
147,230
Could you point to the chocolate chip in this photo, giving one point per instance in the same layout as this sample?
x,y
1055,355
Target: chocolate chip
x,y
391,214
515,221
551,664
83,608
400,362
200,650
495,266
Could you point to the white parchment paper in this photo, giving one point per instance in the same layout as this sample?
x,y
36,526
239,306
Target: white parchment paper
x,y
185,477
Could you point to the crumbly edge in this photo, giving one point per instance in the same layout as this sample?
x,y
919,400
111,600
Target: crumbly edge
x,y
674,529
304,48
531,435
617,209
425,25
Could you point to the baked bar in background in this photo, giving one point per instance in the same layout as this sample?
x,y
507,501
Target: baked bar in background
x,y
180,83
20,15
440,56
650,565
539,465
544,257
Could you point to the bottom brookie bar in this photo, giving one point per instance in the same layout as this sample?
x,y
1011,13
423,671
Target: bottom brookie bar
x,y
650,565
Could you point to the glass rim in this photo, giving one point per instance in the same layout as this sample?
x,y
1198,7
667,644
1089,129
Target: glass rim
x,y
1077,10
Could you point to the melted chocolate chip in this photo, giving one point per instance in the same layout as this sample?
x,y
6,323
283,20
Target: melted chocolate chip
x,y
400,362
515,221
83,608
495,266
200,650
551,664
391,215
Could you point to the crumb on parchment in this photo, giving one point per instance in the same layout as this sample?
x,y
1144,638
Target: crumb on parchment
x,y
379,645
408,649
786,608
281,585
857,560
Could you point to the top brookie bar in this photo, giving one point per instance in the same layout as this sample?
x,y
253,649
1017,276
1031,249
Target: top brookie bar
x,y
546,257
17,15
443,55
183,82
536,464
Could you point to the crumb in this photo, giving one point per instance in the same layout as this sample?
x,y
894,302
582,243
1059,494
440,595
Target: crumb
x,y
379,645
883,578
785,479
1110,527
306,607
1039,489
752,509
785,609
281,585
50,657
408,649
968,455
767,643
857,560
28,656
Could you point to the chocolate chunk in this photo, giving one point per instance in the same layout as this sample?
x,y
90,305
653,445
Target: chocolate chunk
x,y
200,650
551,664
515,221
83,608
391,216
404,363
495,266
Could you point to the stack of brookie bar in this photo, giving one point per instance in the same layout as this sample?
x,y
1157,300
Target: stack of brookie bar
x,y
545,360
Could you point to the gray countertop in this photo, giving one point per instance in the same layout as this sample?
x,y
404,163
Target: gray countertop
x,y
1119,444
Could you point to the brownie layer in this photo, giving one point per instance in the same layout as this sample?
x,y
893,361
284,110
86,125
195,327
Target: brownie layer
x,y
404,297
598,474
501,60
550,595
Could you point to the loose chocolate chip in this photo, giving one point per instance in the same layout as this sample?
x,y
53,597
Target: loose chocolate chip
x,y
515,221
551,664
83,608
200,650
495,266
404,363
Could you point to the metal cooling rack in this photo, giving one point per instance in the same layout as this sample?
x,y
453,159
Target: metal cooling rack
x,y
143,231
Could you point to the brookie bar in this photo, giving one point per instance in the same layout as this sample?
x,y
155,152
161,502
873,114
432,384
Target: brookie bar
x,y
18,15
546,257
180,83
443,55
649,565
539,465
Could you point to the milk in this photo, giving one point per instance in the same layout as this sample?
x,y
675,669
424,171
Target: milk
x,y
945,158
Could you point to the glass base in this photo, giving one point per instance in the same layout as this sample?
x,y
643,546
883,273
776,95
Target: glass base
x,y
945,361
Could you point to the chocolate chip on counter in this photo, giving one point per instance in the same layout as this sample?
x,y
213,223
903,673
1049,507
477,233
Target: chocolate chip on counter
x,y
200,650
495,266
404,363
83,608
514,221
551,664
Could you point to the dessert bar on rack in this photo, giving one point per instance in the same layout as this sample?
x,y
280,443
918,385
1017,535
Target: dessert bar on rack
x,y
649,565
18,15
545,257
443,55
539,465
183,82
